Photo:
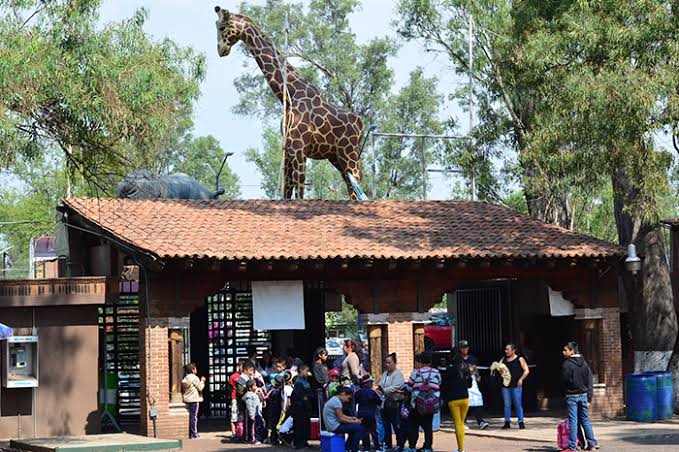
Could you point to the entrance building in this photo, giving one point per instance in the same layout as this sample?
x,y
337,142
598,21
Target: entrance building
x,y
505,277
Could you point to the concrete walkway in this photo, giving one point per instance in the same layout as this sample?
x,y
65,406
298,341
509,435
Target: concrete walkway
x,y
542,429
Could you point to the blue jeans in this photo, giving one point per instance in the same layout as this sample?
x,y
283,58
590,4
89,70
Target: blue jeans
x,y
355,431
510,395
578,412
193,419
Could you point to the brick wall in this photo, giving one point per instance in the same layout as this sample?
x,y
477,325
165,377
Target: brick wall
x,y
172,421
608,401
400,340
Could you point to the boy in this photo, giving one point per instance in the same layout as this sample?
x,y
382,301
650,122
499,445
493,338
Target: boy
x,y
254,424
246,375
274,407
192,394
368,401
301,398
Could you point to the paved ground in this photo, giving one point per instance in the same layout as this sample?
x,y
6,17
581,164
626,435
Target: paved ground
x,y
445,442
539,436
542,429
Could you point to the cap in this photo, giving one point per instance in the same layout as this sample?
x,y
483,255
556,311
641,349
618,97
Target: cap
x,y
463,343
333,373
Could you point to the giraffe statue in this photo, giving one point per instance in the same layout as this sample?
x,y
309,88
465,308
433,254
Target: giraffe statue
x,y
316,128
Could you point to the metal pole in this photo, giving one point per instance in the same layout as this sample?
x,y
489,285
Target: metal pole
x,y
284,73
423,159
374,181
471,103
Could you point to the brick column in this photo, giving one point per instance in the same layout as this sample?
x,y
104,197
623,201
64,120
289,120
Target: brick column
x,y
608,399
154,371
400,340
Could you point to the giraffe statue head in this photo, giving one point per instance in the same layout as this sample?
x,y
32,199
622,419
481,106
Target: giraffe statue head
x,y
230,28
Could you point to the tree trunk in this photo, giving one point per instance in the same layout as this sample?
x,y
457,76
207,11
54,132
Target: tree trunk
x,y
544,205
654,327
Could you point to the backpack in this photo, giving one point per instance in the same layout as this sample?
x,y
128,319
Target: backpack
x,y
426,400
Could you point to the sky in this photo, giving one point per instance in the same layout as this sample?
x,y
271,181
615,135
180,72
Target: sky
x,y
192,23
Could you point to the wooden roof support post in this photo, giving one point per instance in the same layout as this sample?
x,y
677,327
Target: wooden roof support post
x,y
376,346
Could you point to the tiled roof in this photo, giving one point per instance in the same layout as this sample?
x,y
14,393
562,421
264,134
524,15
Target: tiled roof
x,y
314,229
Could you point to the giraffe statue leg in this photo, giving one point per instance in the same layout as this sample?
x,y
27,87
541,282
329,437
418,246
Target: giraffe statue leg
x,y
295,164
287,177
344,171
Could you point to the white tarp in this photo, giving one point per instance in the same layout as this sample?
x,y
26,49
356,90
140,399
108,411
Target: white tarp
x,y
278,305
558,305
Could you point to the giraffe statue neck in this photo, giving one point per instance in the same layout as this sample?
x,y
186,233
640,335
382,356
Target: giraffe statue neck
x,y
270,61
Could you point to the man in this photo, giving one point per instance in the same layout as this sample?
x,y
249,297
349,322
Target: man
x,y
337,422
577,378
475,396
192,394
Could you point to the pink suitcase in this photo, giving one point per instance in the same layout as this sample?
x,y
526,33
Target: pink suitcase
x,y
562,433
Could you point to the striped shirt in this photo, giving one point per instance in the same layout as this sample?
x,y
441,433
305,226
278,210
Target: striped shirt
x,y
419,376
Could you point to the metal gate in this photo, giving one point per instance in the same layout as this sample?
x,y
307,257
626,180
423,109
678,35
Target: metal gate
x,y
119,339
230,333
479,319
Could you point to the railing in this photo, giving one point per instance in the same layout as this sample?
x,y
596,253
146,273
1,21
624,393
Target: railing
x,y
57,291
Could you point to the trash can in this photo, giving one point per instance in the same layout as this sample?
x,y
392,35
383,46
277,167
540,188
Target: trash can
x,y
641,397
664,394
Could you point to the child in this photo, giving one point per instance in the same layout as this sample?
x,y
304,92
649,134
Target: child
x,y
192,394
246,375
368,401
403,424
234,402
254,424
274,408
334,382
301,406
286,435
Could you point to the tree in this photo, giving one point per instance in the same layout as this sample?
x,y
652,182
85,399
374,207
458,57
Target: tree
x,y
578,90
352,75
106,98
505,103
81,105
193,155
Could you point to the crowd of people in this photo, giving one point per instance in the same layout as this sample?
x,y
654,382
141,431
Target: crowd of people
x,y
273,400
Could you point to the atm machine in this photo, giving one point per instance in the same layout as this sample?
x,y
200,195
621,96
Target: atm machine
x,y
19,357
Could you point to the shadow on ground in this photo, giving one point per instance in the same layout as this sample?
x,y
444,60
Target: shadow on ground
x,y
665,440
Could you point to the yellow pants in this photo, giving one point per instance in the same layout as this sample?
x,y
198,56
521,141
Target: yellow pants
x,y
458,409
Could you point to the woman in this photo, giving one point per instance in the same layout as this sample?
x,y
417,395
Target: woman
x,y
518,369
320,378
390,387
351,366
458,379
424,380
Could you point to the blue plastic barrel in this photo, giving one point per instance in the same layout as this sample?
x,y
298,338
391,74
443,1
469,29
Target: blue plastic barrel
x,y
641,397
664,394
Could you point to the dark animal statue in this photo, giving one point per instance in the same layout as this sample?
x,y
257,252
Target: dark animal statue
x,y
143,185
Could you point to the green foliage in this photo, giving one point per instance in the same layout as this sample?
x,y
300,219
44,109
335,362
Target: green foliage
x,y
344,320
106,98
81,105
194,154
352,75
577,90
